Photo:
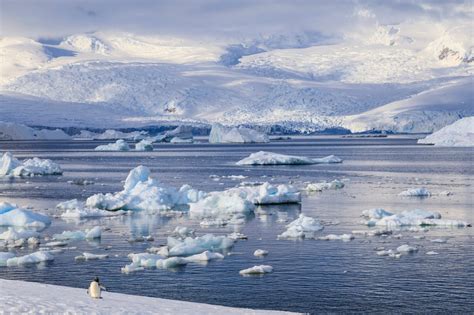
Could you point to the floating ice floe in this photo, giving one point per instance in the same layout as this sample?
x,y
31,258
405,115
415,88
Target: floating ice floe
x,y
303,227
144,145
415,192
269,158
94,233
141,192
191,246
181,134
334,237
77,210
34,258
237,236
111,134
431,253
458,134
204,257
260,252
10,166
11,215
406,249
16,234
119,145
256,270
91,256
222,134
335,184
417,217
183,232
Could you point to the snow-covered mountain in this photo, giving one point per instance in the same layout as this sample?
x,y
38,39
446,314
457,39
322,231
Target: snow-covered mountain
x,y
390,78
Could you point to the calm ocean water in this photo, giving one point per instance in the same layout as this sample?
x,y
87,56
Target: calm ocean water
x,y
309,276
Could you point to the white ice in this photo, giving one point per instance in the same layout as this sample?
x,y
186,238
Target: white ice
x,y
458,134
223,134
10,166
256,270
13,131
303,227
33,258
260,252
119,145
93,233
334,237
91,256
144,145
11,215
415,192
335,184
270,158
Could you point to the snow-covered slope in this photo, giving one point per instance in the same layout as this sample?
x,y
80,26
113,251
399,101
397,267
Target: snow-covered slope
x,y
458,134
43,298
305,82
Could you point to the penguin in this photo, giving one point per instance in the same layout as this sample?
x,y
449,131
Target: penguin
x,y
95,289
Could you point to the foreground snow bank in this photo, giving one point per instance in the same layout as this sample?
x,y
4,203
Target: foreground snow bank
x,y
270,158
43,298
12,131
222,134
141,192
458,134
12,215
417,217
10,166
119,145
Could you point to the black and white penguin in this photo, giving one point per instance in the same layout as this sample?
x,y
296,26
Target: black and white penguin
x,y
95,289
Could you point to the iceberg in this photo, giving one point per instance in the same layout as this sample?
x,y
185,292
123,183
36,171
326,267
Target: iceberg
x,y
270,158
94,233
10,166
334,237
91,256
260,252
458,134
204,257
415,192
34,258
111,134
256,270
13,234
192,246
335,184
302,227
119,145
13,131
11,215
417,217
222,134
141,192
144,145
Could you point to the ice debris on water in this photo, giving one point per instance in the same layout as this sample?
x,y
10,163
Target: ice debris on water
x,y
335,184
12,215
302,227
12,167
260,252
270,158
119,145
415,192
256,270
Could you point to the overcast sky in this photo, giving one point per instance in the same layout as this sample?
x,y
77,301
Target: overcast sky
x,y
216,18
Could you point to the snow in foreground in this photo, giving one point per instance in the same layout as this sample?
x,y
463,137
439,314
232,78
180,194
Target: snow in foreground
x,y
458,134
43,298
270,158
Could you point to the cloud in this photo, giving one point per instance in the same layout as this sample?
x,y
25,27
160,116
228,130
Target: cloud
x,y
214,18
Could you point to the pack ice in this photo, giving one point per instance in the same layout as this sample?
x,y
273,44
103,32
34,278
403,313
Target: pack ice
x,y
12,215
270,158
458,134
417,217
141,192
10,166
223,134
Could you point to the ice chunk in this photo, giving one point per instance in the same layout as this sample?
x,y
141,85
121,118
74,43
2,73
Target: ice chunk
x,y
144,145
335,184
10,166
183,231
180,140
431,253
415,192
181,133
406,249
237,236
95,232
218,203
111,134
70,204
91,256
204,256
191,246
222,134
376,213
22,218
34,258
171,262
256,270
119,145
83,213
141,192
4,257
260,252
302,227
269,158
13,131
334,237
133,267
458,134
13,234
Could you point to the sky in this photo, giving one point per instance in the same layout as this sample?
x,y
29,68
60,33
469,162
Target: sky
x,y
217,18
